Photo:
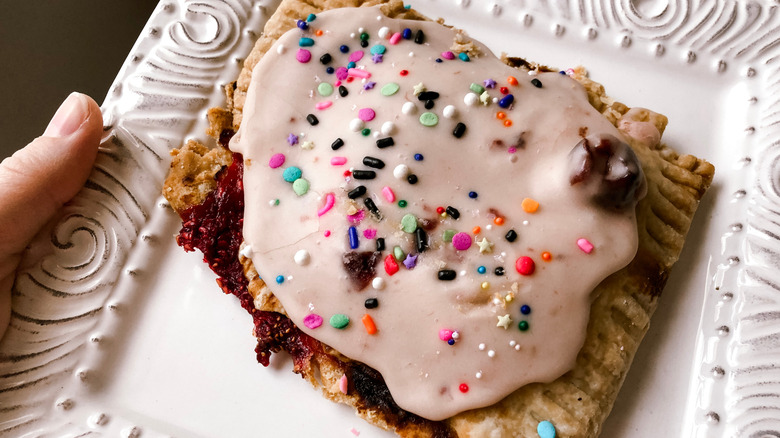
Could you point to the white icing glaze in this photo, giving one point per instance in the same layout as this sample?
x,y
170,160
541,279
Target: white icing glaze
x,y
503,165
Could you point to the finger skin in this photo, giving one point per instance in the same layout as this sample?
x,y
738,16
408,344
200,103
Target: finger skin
x,y
36,182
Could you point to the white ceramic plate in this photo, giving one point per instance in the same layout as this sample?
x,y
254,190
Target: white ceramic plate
x,y
116,331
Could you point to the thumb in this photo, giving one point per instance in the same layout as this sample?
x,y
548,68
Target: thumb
x,y
38,179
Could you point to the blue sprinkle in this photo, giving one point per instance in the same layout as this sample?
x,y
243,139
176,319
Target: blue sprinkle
x,y
351,65
291,174
438,60
329,70
451,341
464,56
407,33
378,49
525,309
506,101
407,6
473,195
353,238
481,270
311,18
344,49
418,157
545,429
306,42
302,25
279,279
562,72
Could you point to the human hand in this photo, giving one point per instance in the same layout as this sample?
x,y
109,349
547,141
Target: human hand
x,y
39,178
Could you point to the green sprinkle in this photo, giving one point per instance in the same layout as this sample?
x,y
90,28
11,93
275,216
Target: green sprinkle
x,y
378,49
339,321
523,326
325,89
390,89
429,119
409,223
402,203
398,253
363,36
300,186
475,87
291,174
276,202
366,132
447,235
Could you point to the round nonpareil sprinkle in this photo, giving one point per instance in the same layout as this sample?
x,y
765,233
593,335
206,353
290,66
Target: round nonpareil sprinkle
x,y
470,99
546,256
464,388
279,279
302,257
401,171
523,326
378,283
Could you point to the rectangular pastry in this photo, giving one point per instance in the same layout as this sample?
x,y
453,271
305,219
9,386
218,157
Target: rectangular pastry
x,y
454,244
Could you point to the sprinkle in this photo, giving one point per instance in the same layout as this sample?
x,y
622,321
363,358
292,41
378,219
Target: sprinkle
x,y
523,326
371,303
525,309
300,186
369,233
302,25
525,265
363,174
312,119
447,235
391,266
337,144
507,123
307,145
412,179
323,105
504,90
473,195
368,322
280,279
464,388
446,275
380,244
481,347
419,37
459,130
353,238
476,88
401,171
344,49
500,115
449,111
312,321
402,203
276,161
330,200
369,203
303,56
448,55
365,132
429,119
464,56
529,205
388,128
585,245
377,58
403,72
329,70
395,39
506,101
292,139
280,49
511,80
342,73
536,83
470,99
383,32
326,233
388,193
366,114
338,161
511,235
356,125
545,429
485,246
408,108
369,85
498,220
484,98
325,89
389,89
489,83
409,223
398,253
445,334
344,384
378,283
384,143
302,257
339,321
410,261
421,239
476,230
427,95
291,174
376,163
305,42
546,256
358,73
311,17
343,92
461,241
356,56
326,58
481,269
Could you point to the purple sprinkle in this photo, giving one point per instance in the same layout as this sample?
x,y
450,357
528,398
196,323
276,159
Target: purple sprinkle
x,y
292,139
461,241
410,261
276,161
447,55
342,73
489,83
369,85
312,321
366,114
303,56
356,56
377,58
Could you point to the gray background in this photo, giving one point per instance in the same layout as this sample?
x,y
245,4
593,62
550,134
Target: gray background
x,y
49,48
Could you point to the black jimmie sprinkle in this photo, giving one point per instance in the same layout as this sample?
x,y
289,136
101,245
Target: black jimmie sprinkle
x,y
312,119
343,91
363,174
380,244
446,274
459,130
376,163
511,235
357,192
453,212
371,206
385,142
421,239
337,144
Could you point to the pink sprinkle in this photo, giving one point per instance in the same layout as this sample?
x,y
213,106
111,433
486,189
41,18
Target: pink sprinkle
x,y
448,55
342,73
343,384
323,105
585,245
395,38
388,192
512,150
357,217
445,335
366,114
338,161
355,432
461,241
358,73
276,161
370,233
337,83
326,233
356,56
303,56
312,321
330,201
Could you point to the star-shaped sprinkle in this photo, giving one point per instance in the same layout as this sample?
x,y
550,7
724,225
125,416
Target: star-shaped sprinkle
x,y
485,246
308,145
484,98
377,58
419,88
504,321
410,261
489,83
369,85
292,139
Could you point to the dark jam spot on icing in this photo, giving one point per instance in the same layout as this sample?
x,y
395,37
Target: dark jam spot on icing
x,y
361,267
609,170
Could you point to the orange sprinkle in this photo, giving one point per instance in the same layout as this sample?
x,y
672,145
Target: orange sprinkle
x,y
368,323
507,123
529,205
476,230
512,80
498,220
500,115
318,33
546,256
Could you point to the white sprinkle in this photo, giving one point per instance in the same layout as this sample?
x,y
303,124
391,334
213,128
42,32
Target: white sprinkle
x,y
491,353
375,134
379,18
481,347
517,347
289,278
361,29
449,111
356,125
280,49
384,31
455,335
411,54
352,35
307,145
512,343
409,108
388,128
488,227
470,99
478,375
302,257
401,171
526,222
495,100
246,251
378,283
273,202
463,273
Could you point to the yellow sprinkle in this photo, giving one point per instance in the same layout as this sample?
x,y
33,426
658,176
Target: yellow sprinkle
x,y
485,285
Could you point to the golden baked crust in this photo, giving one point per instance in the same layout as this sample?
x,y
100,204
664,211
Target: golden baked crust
x,y
576,403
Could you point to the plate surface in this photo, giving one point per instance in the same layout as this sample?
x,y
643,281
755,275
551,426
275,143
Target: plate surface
x,y
116,331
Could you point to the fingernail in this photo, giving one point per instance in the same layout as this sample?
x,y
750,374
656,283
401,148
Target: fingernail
x,y
69,116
